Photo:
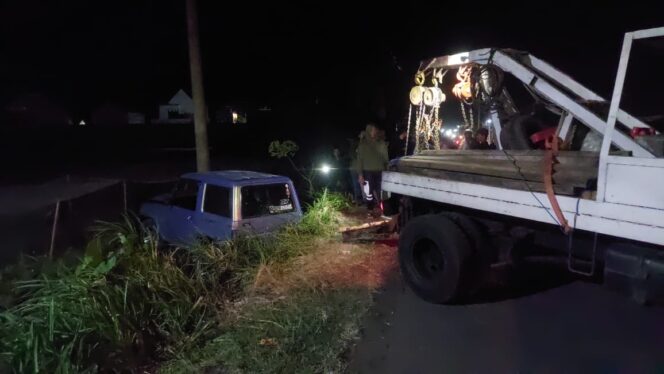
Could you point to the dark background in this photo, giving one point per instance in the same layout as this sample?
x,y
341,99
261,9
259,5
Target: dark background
x,y
325,70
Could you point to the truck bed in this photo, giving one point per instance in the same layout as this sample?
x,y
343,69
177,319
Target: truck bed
x,y
574,173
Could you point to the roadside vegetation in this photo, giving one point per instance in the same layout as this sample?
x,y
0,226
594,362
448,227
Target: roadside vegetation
x,y
253,304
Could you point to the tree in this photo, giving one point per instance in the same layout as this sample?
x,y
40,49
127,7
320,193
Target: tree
x,y
287,150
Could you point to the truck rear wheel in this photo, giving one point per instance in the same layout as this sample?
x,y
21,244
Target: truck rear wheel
x,y
405,211
478,263
432,252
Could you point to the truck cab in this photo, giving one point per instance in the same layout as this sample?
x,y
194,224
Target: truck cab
x,y
219,205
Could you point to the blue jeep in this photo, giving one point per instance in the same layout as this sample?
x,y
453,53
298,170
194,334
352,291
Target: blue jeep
x,y
218,205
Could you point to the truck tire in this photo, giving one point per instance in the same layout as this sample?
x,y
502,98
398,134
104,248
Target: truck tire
x,y
478,263
405,211
432,252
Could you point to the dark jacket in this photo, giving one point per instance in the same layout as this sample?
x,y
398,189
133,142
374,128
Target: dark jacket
x,y
372,155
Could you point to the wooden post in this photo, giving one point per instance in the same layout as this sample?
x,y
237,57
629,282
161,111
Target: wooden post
x,y
54,228
200,115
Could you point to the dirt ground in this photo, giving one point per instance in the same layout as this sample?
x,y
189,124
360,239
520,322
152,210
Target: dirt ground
x,y
333,265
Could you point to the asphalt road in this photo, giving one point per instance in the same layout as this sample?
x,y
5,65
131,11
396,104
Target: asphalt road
x,y
543,325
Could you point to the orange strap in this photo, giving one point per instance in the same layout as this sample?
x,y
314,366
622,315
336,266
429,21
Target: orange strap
x,y
550,155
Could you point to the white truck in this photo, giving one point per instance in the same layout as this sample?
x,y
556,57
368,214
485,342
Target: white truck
x,y
460,211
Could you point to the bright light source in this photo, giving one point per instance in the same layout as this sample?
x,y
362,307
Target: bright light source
x,y
449,133
82,123
489,121
325,169
234,117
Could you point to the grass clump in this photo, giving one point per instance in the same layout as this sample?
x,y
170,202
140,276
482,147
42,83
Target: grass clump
x,y
127,305
307,332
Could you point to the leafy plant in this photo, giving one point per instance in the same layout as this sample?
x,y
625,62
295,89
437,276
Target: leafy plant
x,y
287,150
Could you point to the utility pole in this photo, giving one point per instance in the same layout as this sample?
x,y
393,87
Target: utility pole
x,y
200,115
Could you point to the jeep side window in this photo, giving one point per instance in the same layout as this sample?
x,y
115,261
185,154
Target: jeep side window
x,y
185,194
217,200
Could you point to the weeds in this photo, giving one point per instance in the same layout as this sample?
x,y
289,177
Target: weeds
x,y
107,310
127,304
308,332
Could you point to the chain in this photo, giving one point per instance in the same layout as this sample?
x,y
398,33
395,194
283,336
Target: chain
x,y
418,127
463,114
435,135
410,110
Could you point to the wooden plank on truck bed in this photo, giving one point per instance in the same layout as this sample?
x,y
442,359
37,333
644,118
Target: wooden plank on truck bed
x,y
530,171
534,160
489,153
516,184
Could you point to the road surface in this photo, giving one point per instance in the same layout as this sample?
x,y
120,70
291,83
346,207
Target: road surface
x,y
551,326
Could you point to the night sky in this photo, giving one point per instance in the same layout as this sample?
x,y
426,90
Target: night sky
x,y
343,56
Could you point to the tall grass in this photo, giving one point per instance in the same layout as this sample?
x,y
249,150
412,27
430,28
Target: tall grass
x,y
307,332
323,216
130,304
126,303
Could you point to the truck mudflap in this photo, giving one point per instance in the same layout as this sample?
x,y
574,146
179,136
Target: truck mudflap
x,y
635,270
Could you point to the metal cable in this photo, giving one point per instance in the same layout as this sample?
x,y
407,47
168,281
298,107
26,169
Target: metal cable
x,y
410,110
525,181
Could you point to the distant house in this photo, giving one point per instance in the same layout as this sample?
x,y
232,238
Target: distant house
x,y
180,109
110,114
35,109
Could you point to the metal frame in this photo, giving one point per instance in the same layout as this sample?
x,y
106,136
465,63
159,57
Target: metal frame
x,y
549,91
497,127
637,223
564,126
538,77
614,110
641,218
582,91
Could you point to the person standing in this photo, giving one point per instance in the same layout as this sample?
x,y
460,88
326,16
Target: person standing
x,y
372,159
340,163
468,140
352,170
